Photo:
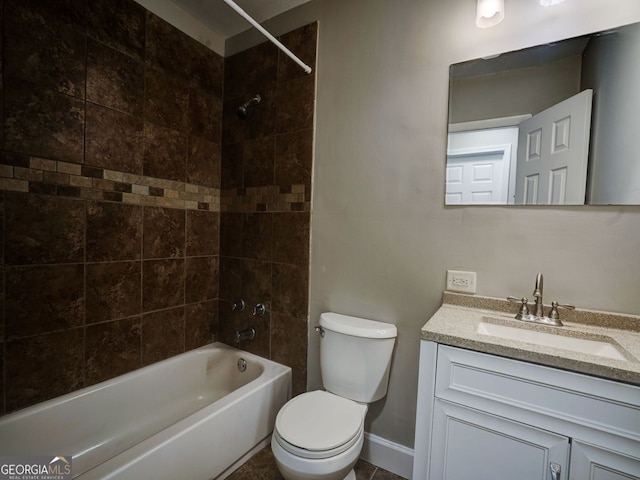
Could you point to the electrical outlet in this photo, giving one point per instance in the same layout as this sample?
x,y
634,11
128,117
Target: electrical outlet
x,y
458,281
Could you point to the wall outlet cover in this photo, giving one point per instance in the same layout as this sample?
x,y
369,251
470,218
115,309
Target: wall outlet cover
x,y
459,281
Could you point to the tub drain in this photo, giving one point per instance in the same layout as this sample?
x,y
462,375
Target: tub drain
x,y
242,364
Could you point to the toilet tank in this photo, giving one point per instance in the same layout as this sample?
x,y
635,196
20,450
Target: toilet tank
x,y
355,356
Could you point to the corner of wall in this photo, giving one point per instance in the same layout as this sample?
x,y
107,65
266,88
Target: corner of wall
x,y
180,19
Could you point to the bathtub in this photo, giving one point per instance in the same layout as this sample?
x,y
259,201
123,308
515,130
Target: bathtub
x,y
193,416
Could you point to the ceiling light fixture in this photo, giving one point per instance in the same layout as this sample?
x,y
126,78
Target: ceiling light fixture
x,y
490,12
548,3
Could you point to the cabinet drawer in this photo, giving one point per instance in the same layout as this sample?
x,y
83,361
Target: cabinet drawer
x,y
531,393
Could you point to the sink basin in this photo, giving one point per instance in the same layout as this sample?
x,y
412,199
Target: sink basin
x,y
580,345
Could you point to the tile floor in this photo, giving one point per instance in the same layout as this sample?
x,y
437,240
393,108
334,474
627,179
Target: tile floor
x,y
263,467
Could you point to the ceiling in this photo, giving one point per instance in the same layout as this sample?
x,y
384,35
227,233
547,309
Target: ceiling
x,y
528,57
220,18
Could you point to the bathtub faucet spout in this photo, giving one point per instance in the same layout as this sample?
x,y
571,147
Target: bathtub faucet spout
x,y
247,334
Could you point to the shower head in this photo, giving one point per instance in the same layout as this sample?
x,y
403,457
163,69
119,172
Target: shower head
x,y
244,108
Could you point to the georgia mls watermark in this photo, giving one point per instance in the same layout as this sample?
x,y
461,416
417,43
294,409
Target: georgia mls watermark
x,y
35,468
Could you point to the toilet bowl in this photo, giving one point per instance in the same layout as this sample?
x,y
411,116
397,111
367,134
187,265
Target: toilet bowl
x,y
319,435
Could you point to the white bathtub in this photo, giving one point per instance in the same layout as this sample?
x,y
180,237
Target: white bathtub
x,y
193,416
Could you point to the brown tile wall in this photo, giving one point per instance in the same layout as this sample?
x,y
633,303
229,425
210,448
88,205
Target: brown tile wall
x,y
110,130
134,204
266,192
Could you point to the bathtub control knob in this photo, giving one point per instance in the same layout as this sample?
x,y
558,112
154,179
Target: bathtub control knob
x,y
238,305
259,310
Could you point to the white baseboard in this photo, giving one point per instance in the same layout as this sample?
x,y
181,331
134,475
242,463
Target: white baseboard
x,y
390,456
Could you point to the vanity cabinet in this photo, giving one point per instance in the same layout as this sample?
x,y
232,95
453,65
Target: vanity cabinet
x,y
474,445
599,463
482,416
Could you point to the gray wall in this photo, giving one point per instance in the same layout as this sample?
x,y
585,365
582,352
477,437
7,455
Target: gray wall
x,y
514,92
381,235
611,68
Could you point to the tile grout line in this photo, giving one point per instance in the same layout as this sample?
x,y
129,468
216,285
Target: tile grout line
x,y
3,378
184,296
84,299
145,66
375,471
144,211
85,214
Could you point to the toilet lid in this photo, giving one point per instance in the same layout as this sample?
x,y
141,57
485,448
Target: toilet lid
x,y
319,421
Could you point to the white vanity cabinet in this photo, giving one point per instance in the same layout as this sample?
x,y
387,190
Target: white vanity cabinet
x,y
599,463
474,445
482,416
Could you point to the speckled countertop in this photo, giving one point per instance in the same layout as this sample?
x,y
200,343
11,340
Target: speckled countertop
x,y
456,324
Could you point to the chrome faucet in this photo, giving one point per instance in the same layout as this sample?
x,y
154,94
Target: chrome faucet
x,y
537,294
247,334
538,315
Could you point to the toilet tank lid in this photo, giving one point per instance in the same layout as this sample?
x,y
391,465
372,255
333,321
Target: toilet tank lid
x,y
357,327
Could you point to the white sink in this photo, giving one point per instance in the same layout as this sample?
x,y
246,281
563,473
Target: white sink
x,y
580,345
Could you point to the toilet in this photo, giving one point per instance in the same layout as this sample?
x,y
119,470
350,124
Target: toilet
x,y
318,435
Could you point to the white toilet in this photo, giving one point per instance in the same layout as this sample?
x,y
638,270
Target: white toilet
x,y
318,435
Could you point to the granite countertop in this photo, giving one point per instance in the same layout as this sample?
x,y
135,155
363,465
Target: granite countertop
x,y
456,324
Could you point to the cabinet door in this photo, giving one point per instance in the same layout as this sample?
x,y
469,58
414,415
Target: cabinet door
x,y
469,444
590,462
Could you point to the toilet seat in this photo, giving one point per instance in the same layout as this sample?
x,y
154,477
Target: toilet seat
x,y
319,425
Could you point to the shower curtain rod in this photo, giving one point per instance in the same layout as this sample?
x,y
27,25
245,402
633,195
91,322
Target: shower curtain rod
x,y
262,30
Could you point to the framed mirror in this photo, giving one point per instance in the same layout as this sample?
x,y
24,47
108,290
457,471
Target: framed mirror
x,y
555,124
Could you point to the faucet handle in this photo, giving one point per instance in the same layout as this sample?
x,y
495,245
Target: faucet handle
x,y
238,305
523,311
516,299
554,314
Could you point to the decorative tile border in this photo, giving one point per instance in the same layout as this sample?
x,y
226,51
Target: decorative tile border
x,y
274,198
21,173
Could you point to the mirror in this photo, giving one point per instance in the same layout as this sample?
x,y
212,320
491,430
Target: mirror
x,y
555,124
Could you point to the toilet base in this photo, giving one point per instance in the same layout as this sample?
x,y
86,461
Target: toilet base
x,y
339,467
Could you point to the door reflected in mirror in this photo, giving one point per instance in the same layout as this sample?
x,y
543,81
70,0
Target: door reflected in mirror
x,y
555,124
